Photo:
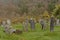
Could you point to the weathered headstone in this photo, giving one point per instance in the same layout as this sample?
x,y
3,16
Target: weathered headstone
x,y
32,24
52,20
43,23
8,21
3,23
25,25
57,22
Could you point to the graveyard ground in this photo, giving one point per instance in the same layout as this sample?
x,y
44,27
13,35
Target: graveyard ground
x,y
38,34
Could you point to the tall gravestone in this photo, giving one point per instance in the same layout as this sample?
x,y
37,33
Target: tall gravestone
x,y
32,24
52,23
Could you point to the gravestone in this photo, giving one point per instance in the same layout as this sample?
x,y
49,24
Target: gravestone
x,y
52,23
32,24
8,21
25,25
3,23
57,22
43,23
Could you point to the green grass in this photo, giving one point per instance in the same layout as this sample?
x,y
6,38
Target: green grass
x,y
38,34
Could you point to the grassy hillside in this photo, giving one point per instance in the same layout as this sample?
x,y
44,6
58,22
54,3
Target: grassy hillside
x,y
38,34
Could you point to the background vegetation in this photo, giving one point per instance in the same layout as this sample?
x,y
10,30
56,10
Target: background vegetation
x,y
19,9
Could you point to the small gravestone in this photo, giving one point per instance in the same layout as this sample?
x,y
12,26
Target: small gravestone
x,y
32,24
57,22
8,21
52,21
3,23
25,25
